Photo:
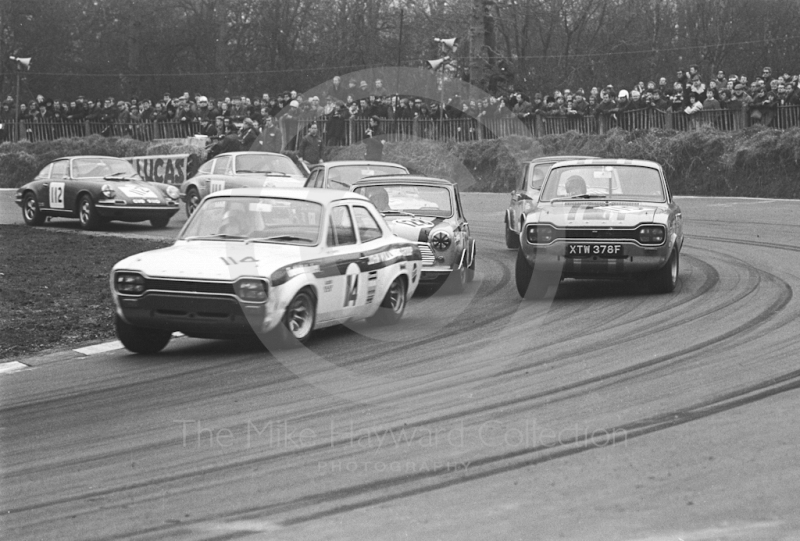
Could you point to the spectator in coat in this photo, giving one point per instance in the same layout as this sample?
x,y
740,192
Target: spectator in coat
x,y
312,148
249,133
374,140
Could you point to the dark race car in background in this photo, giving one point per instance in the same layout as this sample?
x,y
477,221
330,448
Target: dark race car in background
x,y
95,190
340,175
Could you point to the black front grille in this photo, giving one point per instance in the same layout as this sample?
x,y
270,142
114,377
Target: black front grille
x,y
600,234
189,286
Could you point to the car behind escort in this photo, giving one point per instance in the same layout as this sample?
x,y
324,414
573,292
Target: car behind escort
x,y
601,218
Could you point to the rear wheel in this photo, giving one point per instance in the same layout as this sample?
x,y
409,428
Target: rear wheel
x,y
87,213
393,305
139,340
512,239
192,200
30,210
665,279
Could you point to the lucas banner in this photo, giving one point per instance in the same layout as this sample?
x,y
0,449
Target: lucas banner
x,y
170,169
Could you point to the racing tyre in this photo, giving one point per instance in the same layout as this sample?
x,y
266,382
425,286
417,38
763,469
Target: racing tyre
x,y
160,222
192,200
87,213
139,340
529,287
665,279
458,279
30,210
393,305
512,239
298,322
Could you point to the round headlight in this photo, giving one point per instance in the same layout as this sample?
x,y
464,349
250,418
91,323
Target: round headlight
x,y
173,192
441,240
107,191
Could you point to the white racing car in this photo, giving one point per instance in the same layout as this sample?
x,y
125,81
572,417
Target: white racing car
x,y
275,262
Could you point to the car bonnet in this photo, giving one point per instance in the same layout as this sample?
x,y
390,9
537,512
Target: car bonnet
x,y
592,213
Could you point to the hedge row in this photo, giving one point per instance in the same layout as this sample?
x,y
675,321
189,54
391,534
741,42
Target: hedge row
x,y
756,162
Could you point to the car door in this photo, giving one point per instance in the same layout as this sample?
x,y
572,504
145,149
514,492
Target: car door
x,y
517,196
375,275
313,178
340,271
58,196
462,225
222,166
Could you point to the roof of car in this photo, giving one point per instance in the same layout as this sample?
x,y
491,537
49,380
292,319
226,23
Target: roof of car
x,y
316,195
238,153
610,161
90,156
553,159
355,162
403,179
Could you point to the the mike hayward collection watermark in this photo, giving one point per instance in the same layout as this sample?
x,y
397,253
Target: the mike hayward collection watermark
x,y
286,435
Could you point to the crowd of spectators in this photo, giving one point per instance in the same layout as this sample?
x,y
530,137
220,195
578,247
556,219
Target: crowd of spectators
x,y
689,93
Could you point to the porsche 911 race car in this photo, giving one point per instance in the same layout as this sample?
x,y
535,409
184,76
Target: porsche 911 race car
x,y
526,194
279,263
428,212
96,189
601,219
340,175
241,170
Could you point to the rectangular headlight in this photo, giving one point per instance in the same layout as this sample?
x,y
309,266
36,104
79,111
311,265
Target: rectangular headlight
x,y
129,283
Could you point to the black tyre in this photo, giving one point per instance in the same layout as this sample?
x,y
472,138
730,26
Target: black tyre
x,y
471,271
529,286
30,210
87,213
665,279
458,279
393,305
512,239
297,323
192,200
160,222
139,340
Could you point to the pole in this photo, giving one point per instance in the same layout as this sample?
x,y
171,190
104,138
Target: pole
x,y
399,57
17,107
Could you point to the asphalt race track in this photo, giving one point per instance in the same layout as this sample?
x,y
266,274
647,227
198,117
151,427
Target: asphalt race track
x,y
602,413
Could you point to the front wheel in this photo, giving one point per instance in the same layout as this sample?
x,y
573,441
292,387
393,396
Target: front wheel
x,y
192,200
160,222
297,323
87,213
393,305
30,210
665,279
512,239
139,340
528,287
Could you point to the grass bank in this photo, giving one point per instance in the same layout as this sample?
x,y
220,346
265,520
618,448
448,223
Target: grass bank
x,y
54,288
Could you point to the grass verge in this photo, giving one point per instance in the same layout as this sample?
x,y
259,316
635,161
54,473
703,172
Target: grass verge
x,y
54,288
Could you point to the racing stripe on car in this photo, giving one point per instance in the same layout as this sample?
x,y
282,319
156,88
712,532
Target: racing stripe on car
x,y
573,212
337,265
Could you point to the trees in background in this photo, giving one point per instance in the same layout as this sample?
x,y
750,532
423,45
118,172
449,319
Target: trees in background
x,y
226,47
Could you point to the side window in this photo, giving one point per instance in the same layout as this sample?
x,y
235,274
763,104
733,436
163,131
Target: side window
x,y
342,226
311,182
368,228
45,173
60,170
521,180
221,167
206,168
458,203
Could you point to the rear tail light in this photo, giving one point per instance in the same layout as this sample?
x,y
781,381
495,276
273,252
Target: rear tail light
x,y
652,234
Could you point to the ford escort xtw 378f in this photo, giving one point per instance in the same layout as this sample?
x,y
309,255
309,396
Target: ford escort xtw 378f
x,y
601,219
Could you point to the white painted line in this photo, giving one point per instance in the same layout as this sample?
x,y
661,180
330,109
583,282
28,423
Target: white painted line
x,y
12,366
253,526
100,348
8,189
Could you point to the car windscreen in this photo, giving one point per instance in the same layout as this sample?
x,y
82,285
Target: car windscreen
x,y
265,163
617,182
102,167
342,176
410,199
267,219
